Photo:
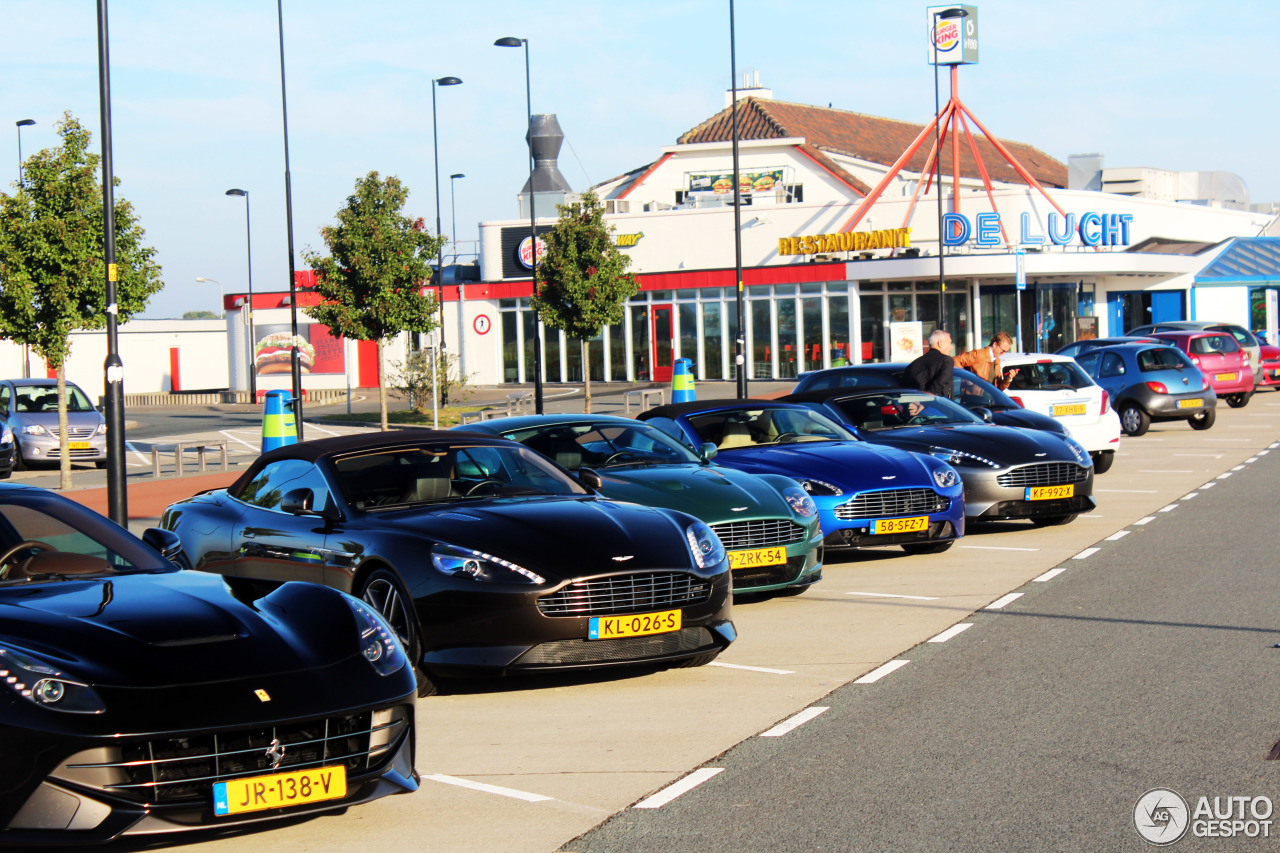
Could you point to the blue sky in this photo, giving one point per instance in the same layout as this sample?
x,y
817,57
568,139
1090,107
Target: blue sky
x,y
196,97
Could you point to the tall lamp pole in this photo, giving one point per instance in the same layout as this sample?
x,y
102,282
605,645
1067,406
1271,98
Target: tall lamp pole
x,y
511,41
944,14
21,123
453,237
435,137
113,367
221,298
295,359
740,343
248,246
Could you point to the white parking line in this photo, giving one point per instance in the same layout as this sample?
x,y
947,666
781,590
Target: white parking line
x,y
231,435
1189,495
1252,459
1209,485
684,786
1238,468
1206,455
881,671
1003,600
953,631
892,595
1048,576
1147,520
489,789
1127,491
1086,553
1165,471
753,668
144,460
996,548
1117,536
794,722
1224,475
1169,508
1263,452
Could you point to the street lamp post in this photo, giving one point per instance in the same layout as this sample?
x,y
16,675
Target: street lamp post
x,y
435,136
740,343
221,298
248,246
943,14
26,122
453,236
295,359
511,41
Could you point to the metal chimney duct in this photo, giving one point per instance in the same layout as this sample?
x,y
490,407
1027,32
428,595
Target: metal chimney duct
x,y
549,186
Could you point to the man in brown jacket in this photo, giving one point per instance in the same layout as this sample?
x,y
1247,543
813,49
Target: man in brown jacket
x,y
985,362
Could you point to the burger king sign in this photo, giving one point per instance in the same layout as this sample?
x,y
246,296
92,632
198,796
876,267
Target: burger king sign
x,y
953,34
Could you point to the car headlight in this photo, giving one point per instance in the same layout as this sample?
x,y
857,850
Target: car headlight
x,y
378,643
101,430
34,429
45,685
705,545
960,457
945,477
453,560
801,504
1082,455
820,487
6,435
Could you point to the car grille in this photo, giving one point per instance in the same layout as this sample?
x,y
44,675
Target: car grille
x,y
626,594
76,433
184,769
567,652
893,502
767,575
1043,474
763,533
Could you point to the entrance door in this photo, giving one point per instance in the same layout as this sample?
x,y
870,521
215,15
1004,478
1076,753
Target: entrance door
x,y
663,342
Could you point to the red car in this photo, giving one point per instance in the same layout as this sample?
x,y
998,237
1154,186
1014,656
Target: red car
x,y
1268,362
1222,361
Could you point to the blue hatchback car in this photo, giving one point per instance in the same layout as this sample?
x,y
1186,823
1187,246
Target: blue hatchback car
x,y
1151,382
866,494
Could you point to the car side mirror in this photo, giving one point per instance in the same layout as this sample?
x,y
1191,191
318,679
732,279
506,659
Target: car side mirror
x,y
591,479
302,502
168,543
708,451
984,413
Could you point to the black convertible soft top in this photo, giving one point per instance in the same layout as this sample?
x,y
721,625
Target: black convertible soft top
x,y
675,410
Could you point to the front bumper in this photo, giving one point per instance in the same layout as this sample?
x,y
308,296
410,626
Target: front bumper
x,y
846,527
46,448
987,496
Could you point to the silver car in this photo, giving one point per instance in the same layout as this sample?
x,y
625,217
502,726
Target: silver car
x,y
30,407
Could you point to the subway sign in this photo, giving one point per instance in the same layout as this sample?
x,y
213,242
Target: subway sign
x,y
1089,229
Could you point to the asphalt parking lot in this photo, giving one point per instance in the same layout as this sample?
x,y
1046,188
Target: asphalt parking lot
x,y
530,764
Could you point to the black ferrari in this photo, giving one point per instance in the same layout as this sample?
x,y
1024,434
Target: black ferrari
x,y
485,557
137,698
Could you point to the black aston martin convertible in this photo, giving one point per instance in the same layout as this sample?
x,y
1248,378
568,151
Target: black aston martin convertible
x,y
484,556
136,698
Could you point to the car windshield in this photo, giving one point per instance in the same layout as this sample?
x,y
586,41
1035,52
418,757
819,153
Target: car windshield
x,y
1214,345
434,473
1050,376
41,541
44,398
895,409
751,427
1162,358
604,445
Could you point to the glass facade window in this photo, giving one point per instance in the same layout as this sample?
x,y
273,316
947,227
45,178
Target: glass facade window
x,y
788,338
731,318
529,331
838,330
551,356
811,287
595,358
871,306
761,331
573,360
640,341
811,320
510,347
617,352
712,353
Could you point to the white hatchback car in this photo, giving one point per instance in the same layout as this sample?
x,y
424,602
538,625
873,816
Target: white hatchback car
x,y
1056,386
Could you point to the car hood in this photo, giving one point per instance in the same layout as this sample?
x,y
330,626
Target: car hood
x,y
1001,444
853,466
713,494
1028,419
556,537
164,630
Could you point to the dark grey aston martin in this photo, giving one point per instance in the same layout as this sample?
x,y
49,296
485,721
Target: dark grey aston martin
x,y
485,557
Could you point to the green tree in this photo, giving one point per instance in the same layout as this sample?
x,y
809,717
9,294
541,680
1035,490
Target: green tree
x,y
583,283
199,315
52,267
372,280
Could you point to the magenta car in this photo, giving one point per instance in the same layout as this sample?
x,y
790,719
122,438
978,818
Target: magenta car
x,y
1222,361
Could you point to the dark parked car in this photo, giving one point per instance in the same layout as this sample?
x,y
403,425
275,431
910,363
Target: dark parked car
x,y
1151,382
485,557
138,699
768,524
1008,472
866,495
971,391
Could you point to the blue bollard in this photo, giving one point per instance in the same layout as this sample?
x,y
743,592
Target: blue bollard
x,y
682,382
278,425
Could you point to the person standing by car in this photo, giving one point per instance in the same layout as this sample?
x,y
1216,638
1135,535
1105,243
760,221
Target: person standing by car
x,y
986,361
933,371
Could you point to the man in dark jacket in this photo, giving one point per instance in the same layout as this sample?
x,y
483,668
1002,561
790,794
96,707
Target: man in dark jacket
x,y
932,371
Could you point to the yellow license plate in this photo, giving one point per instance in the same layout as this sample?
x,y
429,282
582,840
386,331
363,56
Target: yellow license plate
x,y
757,557
1224,377
78,445
280,790
1068,409
1049,493
900,525
638,625
1189,404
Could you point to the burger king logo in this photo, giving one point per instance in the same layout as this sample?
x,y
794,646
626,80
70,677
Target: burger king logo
x,y
524,253
946,35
